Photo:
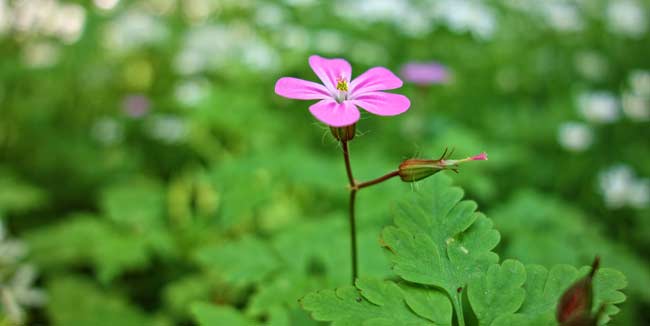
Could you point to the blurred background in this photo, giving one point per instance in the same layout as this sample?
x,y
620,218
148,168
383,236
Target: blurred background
x,y
146,163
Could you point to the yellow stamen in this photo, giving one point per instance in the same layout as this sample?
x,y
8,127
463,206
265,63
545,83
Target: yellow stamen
x,y
342,85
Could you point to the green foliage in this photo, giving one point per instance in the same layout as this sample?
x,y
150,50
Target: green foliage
x,y
544,288
223,193
375,302
240,263
208,315
440,242
77,302
498,291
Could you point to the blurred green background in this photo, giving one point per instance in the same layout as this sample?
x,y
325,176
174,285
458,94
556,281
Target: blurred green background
x,y
146,163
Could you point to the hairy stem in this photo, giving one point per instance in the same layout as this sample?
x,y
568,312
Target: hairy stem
x,y
378,180
353,195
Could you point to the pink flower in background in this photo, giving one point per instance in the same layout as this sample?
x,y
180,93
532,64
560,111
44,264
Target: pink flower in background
x,y
136,106
424,73
339,95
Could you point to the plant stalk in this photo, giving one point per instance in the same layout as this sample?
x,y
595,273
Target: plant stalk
x,y
354,187
353,195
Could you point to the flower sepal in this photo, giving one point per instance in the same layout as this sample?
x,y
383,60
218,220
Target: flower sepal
x,y
344,133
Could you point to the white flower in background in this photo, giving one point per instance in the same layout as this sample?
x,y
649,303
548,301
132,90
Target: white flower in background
x,y
5,17
636,107
18,293
575,136
599,107
159,7
561,16
257,55
211,47
133,29
369,53
167,128
199,10
300,3
640,194
467,15
627,17
106,5
16,280
415,23
41,54
591,65
269,15
640,82
372,10
329,41
67,22
293,37
620,187
11,251
189,93
107,131
50,18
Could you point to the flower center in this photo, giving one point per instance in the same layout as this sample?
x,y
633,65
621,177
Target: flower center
x,y
342,88
342,84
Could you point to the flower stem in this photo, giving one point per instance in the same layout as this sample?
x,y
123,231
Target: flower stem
x,y
353,195
378,180
458,306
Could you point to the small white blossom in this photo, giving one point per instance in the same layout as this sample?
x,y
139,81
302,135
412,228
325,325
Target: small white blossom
x,y
107,131
562,16
133,29
640,82
591,65
167,128
575,136
620,187
636,107
599,107
627,17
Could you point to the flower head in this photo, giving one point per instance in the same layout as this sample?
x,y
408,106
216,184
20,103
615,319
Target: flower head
x,y
413,170
339,95
424,73
574,307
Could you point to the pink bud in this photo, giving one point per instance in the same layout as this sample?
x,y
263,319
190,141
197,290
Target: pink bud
x,y
480,157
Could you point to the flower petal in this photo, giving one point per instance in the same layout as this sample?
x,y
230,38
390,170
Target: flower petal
x,y
382,103
335,114
375,79
329,70
300,89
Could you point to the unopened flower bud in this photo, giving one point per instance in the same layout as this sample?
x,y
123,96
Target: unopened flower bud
x,y
344,133
413,170
575,304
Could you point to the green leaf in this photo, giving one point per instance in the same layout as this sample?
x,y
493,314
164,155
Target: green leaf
x,y
210,315
86,239
544,289
375,302
240,263
497,292
138,204
440,240
16,195
77,302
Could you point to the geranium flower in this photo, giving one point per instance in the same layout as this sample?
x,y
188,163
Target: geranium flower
x,y
339,95
424,73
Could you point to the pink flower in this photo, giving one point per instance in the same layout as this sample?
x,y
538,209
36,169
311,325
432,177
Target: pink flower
x,y
339,96
136,106
424,73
